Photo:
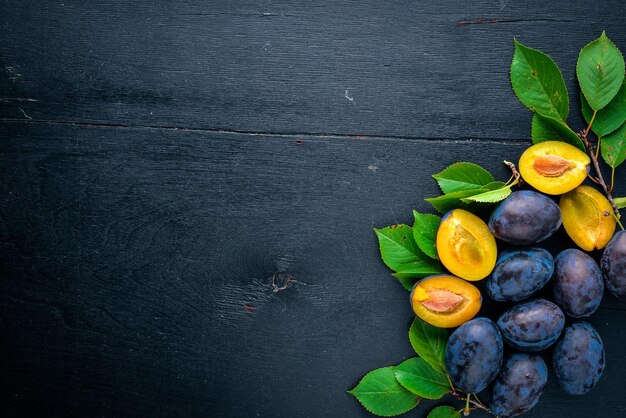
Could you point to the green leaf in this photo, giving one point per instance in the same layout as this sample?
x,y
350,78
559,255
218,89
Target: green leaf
x,y
381,394
407,280
620,202
444,412
538,82
462,176
493,196
494,185
410,276
429,342
400,253
600,71
417,376
447,202
425,232
548,129
611,117
613,147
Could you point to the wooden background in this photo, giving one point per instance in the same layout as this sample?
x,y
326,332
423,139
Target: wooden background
x,y
162,162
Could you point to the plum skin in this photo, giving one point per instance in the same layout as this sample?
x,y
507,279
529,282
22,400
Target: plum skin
x,y
577,285
579,358
474,355
613,264
518,274
532,326
519,385
516,219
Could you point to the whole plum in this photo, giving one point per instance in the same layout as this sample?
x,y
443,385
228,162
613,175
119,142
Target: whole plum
x,y
519,385
577,284
532,326
519,274
579,358
525,217
614,264
474,355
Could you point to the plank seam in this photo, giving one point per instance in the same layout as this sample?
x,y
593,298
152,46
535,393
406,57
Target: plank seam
x,y
302,135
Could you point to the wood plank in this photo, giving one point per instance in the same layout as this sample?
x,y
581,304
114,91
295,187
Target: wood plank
x,y
137,268
406,68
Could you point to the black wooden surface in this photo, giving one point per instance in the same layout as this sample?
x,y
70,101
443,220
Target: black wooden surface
x,y
161,162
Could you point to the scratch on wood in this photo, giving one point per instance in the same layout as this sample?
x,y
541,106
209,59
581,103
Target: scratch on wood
x,y
17,99
24,113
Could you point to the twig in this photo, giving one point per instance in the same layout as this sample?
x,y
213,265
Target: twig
x,y
596,166
463,397
516,175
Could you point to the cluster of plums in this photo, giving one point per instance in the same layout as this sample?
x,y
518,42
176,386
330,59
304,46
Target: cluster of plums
x,y
467,247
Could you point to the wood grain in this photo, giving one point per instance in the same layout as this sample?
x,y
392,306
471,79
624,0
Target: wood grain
x,y
168,166
405,68
137,271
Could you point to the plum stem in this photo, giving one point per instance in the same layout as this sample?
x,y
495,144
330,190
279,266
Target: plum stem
x,y
599,178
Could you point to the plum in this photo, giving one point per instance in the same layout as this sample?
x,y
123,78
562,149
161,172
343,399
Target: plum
x,y
474,355
465,245
532,326
579,358
613,264
525,217
577,285
587,218
518,274
519,385
445,301
554,167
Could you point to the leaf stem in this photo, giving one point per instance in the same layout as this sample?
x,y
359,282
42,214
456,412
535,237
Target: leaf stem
x,y
450,382
478,400
618,221
593,179
598,146
467,404
612,179
596,166
590,123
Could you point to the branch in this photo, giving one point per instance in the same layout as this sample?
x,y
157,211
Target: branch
x,y
599,179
